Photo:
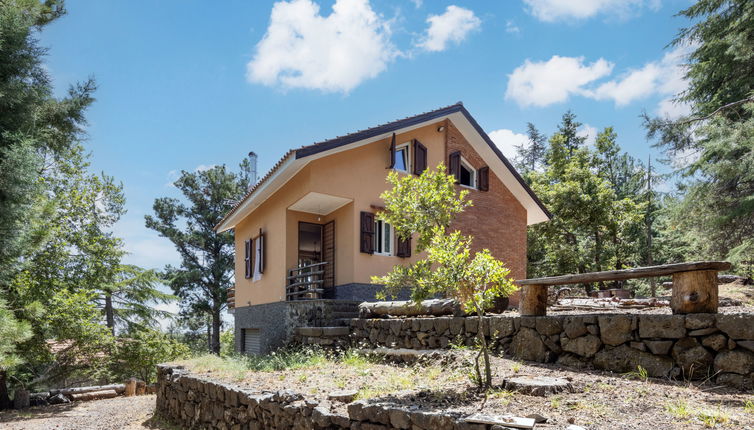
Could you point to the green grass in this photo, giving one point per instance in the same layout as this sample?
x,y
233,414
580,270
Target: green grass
x,y
679,409
749,407
712,418
640,373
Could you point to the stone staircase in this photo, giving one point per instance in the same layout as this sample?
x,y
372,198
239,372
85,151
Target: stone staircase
x,y
335,330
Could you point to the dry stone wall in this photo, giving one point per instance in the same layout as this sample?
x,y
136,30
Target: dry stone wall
x,y
694,346
196,402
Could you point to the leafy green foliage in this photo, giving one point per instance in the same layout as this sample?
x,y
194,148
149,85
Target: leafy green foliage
x,y
140,351
426,205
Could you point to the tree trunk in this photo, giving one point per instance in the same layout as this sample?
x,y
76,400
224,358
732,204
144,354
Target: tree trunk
x,y
533,300
216,324
109,313
694,292
4,397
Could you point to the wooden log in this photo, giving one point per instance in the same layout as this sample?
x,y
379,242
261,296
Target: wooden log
x,y
694,292
434,307
533,301
118,388
94,395
636,273
130,387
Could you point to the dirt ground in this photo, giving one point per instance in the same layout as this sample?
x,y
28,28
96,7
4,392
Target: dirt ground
x,y
118,413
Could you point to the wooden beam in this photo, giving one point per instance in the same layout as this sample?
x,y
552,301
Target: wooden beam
x,y
639,272
694,292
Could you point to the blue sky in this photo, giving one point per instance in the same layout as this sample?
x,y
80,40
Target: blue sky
x,y
189,84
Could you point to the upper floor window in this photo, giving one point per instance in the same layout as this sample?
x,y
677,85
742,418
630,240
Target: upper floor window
x,y
467,175
383,238
402,161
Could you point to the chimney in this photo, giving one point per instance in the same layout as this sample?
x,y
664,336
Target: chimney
x,y
253,170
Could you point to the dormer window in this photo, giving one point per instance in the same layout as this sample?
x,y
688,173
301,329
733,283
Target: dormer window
x,y
402,161
467,176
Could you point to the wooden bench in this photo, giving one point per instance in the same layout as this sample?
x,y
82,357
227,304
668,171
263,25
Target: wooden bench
x,y
694,285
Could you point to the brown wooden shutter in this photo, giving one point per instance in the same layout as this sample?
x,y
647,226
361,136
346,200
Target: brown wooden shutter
x,y
483,178
367,232
420,158
454,165
262,251
247,258
403,248
392,152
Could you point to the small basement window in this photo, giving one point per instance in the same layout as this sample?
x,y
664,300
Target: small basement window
x,y
401,158
468,175
383,238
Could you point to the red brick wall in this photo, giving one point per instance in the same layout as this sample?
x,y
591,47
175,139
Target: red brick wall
x,y
497,220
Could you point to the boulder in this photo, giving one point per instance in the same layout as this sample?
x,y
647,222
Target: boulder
x,y
585,346
345,396
547,325
692,358
527,345
572,361
574,326
716,341
501,326
741,382
700,321
662,326
537,385
746,344
737,326
615,329
736,361
626,359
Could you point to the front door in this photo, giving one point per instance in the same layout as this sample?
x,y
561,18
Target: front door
x,y
316,244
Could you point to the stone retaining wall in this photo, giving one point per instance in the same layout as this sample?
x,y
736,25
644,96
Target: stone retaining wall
x,y
693,346
195,402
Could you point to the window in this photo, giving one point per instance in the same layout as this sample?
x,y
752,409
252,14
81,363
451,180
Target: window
x,y
402,161
467,175
383,243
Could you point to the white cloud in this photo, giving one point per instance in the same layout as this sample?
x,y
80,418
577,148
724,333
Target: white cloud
x,y
204,167
452,26
334,53
559,10
589,132
417,3
553,81
144,246
511,27
507,140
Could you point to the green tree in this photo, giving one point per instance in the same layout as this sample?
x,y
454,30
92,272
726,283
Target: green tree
x,y
140,351
206,270
12,332
569,130
532,155
426,206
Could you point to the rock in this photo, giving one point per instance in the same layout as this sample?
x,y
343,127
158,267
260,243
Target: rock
x,y
703,331
501,327
638,345
399,419
626,359
572,361
662,326
692,358
432,420
345,396
699,321
321,416
58,399
537,385
527,345
615,329
472,325
547,325
574,326
539,419
741,382
551,345
442,324
528,321
737,326
736,361
746,344
716,341
574,427
732,344
356,410
456,325
593,329
659,347
585,346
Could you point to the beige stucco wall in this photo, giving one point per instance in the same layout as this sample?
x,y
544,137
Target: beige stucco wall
x,y
358,174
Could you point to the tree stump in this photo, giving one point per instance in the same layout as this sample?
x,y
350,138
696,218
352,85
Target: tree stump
x,y
537,385
694,292
141,388
130,387
533,300
20,399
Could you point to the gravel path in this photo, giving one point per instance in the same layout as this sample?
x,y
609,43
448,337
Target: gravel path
x,y
117,413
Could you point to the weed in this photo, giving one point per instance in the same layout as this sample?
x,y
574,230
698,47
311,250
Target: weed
x,y
505,396
679,409
302,378
516,367
713,418
749,406
640,373
555,402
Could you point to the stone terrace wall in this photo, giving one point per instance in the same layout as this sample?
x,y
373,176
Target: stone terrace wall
x,y
196,402
691,346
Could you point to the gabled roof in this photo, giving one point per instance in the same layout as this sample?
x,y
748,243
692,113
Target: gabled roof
x,y
295,159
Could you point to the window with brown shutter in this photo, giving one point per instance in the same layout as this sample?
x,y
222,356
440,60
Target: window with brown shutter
x,y
483,178
392,152
247,258
403,247
454,165
420,158
367,232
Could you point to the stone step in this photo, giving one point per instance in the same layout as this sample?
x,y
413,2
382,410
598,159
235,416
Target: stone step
x,y
342,322
323,331
342,314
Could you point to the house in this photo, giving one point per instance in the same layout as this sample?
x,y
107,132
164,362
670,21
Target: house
x,y
307,240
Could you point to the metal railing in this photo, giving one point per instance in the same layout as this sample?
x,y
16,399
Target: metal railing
x,y
306,282
231,298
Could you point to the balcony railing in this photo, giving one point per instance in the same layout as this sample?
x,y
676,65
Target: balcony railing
x,y
306,282
231,299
